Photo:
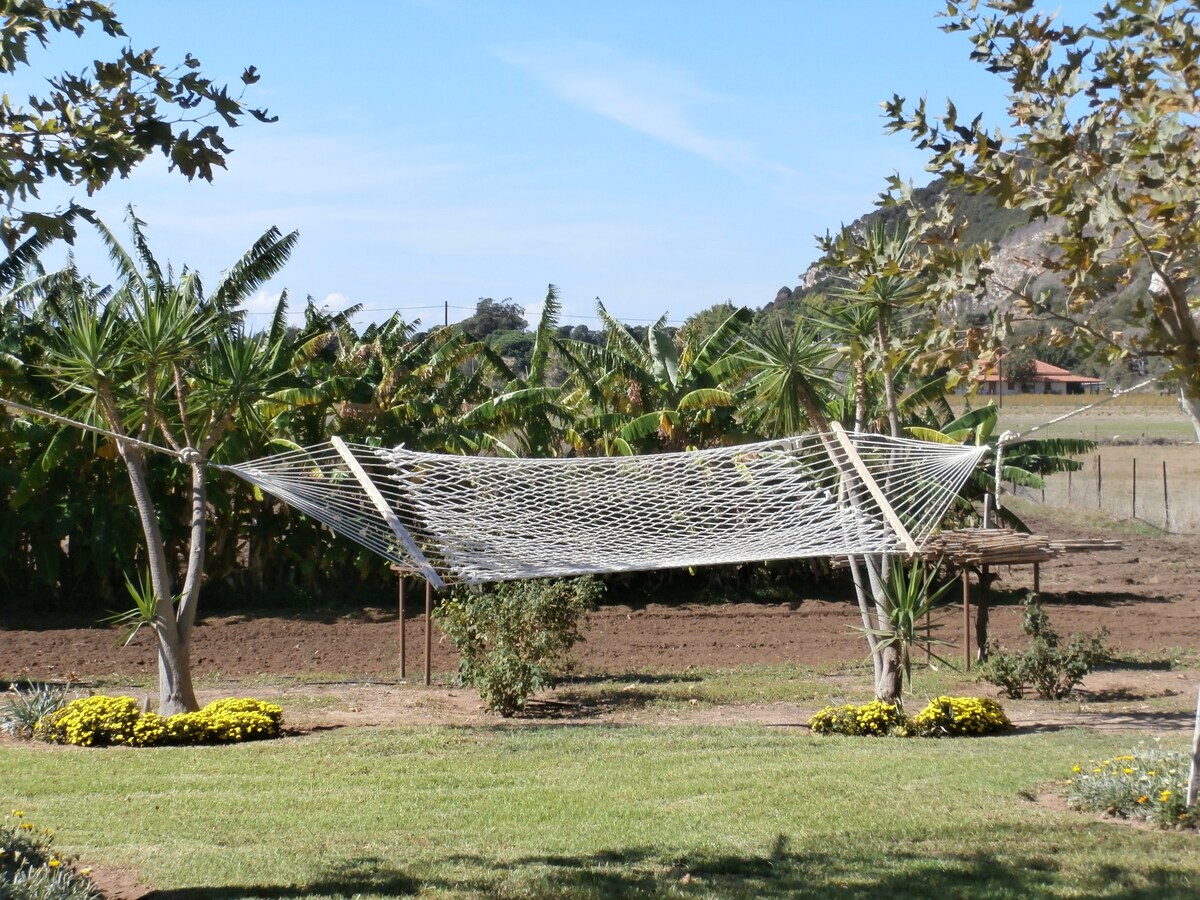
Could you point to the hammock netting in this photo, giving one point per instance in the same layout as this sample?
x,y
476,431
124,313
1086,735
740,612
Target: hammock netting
x,y
480,519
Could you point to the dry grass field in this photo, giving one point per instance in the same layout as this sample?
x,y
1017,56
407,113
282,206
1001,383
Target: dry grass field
x,y
1141,416
1158,484
1144,440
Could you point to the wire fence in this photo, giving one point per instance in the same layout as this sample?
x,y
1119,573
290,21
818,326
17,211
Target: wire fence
x,y
1156,485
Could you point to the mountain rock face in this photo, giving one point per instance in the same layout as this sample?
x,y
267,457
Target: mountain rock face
x,y
1018,260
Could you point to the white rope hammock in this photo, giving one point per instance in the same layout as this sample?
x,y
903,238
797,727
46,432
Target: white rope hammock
x,y
479,519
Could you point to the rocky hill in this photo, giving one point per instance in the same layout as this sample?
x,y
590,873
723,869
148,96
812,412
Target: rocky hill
x,y
1018,246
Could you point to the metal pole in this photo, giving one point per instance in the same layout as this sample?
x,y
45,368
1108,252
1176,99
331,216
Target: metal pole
x,y
428,632
1133,502
1037,580
1099,484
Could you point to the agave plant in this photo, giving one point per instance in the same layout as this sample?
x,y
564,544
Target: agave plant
x,y
910,594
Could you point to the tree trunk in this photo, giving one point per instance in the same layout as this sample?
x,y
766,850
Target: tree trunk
x,y
175,692
889,683
889,381
1191,406
864,610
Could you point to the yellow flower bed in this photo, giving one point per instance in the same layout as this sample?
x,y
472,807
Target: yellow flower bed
x,y
943,716
105,721
958,716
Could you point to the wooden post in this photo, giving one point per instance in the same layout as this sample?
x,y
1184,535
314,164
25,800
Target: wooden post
x,y
1133,502
982,614
428,632
966,586
1099,484
400,603
1193,784
1166,500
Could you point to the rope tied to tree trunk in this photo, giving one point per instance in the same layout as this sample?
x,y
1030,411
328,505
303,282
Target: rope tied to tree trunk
x,y
185,455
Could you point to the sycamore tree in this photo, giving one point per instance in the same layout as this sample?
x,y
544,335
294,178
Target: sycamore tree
x,y
1104,138
88,127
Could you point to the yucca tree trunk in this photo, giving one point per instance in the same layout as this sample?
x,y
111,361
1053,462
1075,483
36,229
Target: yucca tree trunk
x,y
175,691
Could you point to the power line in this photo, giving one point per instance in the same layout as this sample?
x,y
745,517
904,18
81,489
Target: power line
x,y
472,309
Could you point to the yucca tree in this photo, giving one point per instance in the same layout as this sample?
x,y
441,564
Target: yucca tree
x,y
157,359
888,280
791,386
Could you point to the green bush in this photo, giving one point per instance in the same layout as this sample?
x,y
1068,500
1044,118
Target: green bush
x,y
31,869
1051,670
1147,784
944,716
512,637
104,721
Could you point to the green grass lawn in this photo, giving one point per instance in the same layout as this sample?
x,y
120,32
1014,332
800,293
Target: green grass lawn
x,y
597,811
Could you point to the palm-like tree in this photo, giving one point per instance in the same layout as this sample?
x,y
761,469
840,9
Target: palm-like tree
x,y
158,360
526,415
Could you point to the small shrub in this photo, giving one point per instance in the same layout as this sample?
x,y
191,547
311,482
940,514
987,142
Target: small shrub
x,y
91,722
104,721
512,637
1148,784
31,869
874,719
948,716
224,722
1051,670
951,716
21,710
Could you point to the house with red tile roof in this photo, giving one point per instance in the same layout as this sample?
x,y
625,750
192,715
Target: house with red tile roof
x,y
1045,379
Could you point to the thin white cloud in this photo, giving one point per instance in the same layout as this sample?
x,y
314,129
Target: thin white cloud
x,y
649,97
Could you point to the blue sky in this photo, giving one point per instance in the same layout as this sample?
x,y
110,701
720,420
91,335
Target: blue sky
x,y
660,156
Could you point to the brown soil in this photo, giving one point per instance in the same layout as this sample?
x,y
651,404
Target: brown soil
x,y
1147,595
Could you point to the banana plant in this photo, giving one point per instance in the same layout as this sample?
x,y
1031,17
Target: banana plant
x,y
669,393
1024,462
